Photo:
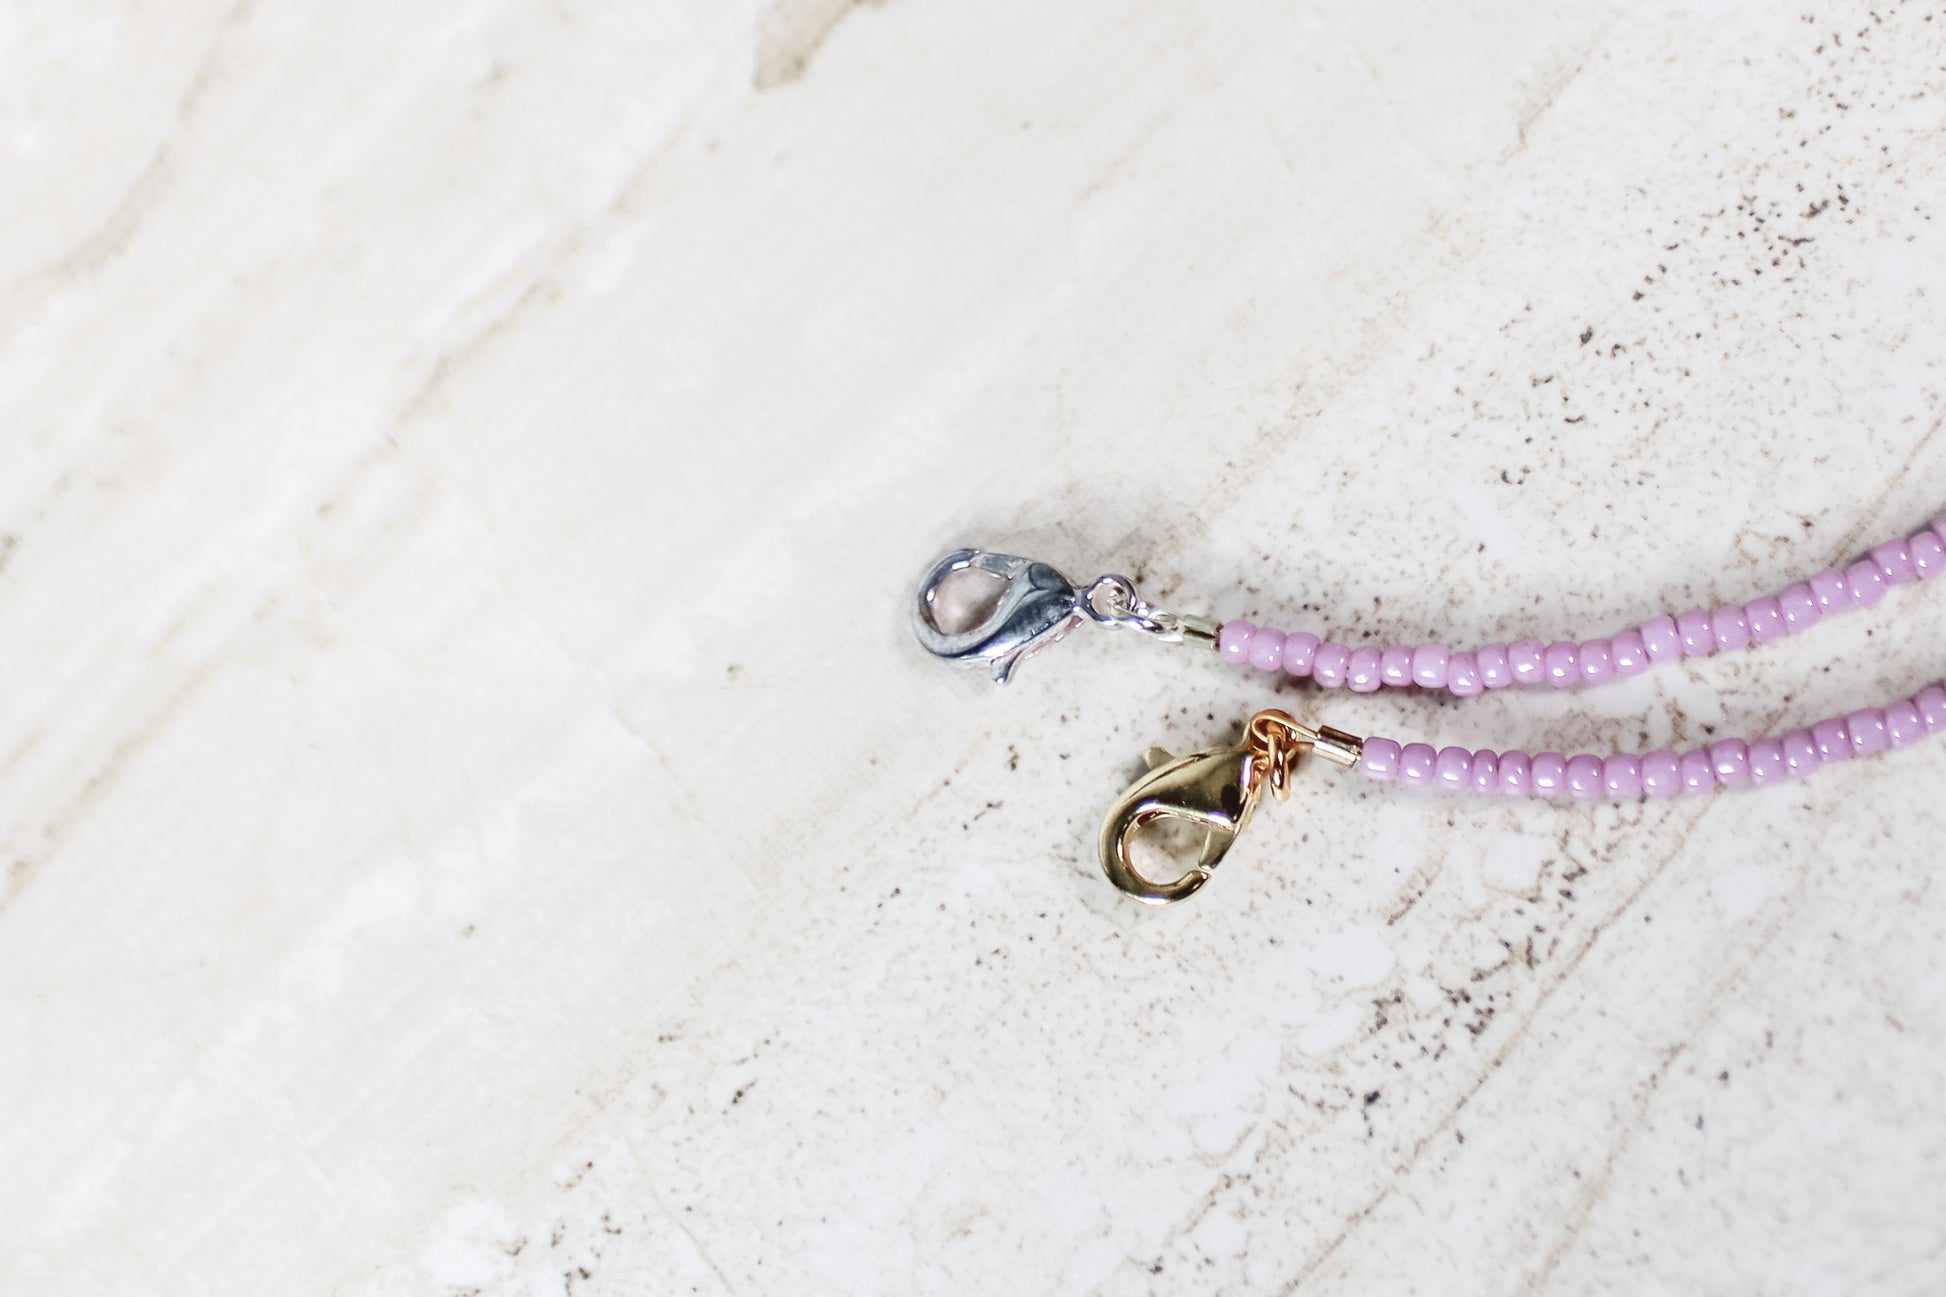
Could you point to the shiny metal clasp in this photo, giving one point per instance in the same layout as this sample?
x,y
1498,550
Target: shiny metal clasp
x,y
975,608
1031,606
1216,790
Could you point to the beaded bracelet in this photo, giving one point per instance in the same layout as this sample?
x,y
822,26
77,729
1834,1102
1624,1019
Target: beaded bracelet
x,y
981,609
1699,632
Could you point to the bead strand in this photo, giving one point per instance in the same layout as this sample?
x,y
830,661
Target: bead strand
x,y
1699,632
1727,763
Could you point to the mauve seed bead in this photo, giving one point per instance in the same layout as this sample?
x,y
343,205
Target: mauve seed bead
x,y
1361,673
1928,555
1903,723
1867,582
1563,669
1834,743
1621,775
1233,641
1494,671
1661,640
1932,707
1267,649
1800,753
1328,664
1395,666
1829,589
1698,640
1515,773
1800,607
1525,659
1730,761
1698,773
1584,777
1767,762
1939,526
1731,627
1300,652
1596,657
1463,676
1429,666
1630,656
1766,619
1379,759
1483,775
1549,773
1661,773
1866,726
1894,558
1416,763
1451,768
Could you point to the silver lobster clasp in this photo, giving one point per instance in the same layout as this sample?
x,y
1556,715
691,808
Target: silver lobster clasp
x,y
995,610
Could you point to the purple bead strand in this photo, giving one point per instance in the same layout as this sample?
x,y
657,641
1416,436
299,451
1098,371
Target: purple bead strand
x,y
1699,632
1726,763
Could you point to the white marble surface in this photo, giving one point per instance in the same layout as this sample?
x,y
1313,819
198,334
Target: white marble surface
x,y
475,821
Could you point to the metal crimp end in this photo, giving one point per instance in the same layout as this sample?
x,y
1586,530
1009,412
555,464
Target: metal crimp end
x,y
1114,602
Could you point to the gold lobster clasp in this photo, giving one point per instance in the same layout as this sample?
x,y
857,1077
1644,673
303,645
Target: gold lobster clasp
x,y
1215,790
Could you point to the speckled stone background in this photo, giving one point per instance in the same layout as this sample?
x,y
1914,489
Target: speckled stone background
x,y
475,820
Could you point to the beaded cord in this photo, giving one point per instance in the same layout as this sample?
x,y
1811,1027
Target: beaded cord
x,y
1699,632
1727,763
